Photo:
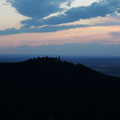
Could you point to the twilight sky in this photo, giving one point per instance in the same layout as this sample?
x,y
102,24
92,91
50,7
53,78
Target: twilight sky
x,y
68,26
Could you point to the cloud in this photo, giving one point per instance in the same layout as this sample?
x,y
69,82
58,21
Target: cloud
x,y
94,49
98,34
102,9
118,11
42,29
115,35
38,9
9,17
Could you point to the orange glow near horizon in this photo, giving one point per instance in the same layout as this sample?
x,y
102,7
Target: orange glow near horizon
x,y
98,34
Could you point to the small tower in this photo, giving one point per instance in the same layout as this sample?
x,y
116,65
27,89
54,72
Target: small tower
x,y
59,59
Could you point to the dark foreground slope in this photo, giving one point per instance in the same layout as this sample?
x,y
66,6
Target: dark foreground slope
x,y
48,89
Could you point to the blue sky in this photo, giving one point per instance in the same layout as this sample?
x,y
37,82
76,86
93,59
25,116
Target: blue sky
x,y
35,23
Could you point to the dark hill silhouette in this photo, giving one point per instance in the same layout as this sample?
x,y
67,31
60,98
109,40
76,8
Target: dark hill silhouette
x,y
51,89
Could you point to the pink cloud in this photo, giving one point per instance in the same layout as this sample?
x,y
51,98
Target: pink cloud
x,y
78,35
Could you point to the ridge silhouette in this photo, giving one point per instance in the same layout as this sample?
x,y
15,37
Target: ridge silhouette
x,y
52,89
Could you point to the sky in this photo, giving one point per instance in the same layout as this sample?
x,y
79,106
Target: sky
x,y
64,27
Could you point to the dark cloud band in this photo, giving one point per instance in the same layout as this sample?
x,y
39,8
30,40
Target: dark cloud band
x,y
37,9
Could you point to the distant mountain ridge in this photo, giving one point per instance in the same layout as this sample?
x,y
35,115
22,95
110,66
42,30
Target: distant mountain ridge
x,y
51,89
